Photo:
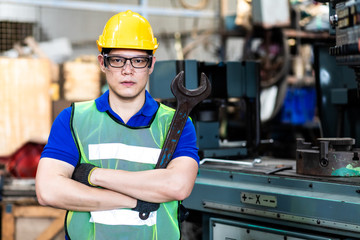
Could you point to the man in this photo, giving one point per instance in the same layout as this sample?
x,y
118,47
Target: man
x,y
100,156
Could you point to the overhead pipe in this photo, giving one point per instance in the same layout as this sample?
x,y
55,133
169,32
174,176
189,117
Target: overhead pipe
x,y
143,9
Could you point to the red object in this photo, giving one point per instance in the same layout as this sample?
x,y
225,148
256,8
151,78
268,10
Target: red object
x,y
23,163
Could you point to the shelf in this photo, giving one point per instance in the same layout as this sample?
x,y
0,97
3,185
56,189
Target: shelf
x,y
293,33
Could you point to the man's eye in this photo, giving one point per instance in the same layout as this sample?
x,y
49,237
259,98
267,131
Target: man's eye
x,y
118,60
139,60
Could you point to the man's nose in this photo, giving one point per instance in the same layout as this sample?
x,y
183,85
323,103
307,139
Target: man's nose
x,y
128,65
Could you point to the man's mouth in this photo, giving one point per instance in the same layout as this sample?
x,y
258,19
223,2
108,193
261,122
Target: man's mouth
x,y
127,83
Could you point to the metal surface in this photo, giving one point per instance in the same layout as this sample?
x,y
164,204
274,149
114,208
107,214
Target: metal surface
x,y
256,161
325,206
234,230
329,157
186,101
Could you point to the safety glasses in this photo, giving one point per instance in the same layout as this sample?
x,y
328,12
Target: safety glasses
x,y
118,61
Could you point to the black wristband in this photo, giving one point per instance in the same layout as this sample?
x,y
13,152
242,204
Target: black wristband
x,y
82,173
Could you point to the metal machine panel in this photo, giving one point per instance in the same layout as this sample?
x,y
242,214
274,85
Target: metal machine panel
x,y
207,137
160,79
242,79
191,74
302,202
235,79
221,229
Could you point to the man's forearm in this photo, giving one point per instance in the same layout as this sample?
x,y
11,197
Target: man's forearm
x,y
130,183
157,185
55,188
79,197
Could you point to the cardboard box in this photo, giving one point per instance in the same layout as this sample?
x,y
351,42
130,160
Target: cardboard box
x,y
25,109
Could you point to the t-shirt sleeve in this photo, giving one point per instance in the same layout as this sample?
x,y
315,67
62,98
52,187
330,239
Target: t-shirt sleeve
x,y
187,143
61,145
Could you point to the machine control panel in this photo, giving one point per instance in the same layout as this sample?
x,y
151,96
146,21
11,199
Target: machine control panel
x,y
346,22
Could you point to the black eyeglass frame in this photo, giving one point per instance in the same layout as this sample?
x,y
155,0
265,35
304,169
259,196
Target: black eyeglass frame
x,y
148,64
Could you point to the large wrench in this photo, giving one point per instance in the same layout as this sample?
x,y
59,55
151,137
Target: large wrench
x,y
186,101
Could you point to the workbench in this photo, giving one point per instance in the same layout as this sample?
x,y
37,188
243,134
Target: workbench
x,y
11,211
23,218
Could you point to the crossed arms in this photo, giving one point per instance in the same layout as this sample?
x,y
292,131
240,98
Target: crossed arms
x,y
120,189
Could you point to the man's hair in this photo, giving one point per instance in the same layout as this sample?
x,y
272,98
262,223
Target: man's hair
x,y
108,50
105,50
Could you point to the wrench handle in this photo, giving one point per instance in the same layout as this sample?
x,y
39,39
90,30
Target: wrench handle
x,y
186,101
172,138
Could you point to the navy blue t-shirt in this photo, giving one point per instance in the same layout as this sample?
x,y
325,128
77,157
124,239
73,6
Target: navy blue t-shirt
x,y
61,144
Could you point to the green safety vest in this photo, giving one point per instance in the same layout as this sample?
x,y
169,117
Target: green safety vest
x,y
105,142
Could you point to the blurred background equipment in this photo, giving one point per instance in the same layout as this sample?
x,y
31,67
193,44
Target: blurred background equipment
x,y
255,198
23,163
230,116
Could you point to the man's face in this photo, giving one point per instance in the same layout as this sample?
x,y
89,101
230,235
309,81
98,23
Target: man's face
x,y
126,82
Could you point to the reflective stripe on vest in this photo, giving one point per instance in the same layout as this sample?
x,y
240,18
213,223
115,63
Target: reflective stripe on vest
x,y
106,143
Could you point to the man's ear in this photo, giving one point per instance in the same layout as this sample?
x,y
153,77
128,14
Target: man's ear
x,y
101,62
151,69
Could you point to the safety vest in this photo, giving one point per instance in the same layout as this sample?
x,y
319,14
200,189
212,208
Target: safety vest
x,y
105,142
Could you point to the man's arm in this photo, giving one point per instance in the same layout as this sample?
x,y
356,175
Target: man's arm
x,y
158,185
54,187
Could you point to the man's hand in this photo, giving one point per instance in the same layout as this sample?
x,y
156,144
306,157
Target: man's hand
x,y
144,208
83,172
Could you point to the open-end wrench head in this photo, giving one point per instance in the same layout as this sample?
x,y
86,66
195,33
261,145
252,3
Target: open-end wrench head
x,y
200,93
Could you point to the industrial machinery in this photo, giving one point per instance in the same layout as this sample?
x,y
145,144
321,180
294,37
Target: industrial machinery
x,y
239,194
211,116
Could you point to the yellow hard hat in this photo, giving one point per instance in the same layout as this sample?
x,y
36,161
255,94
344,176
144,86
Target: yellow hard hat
x,y
127,30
